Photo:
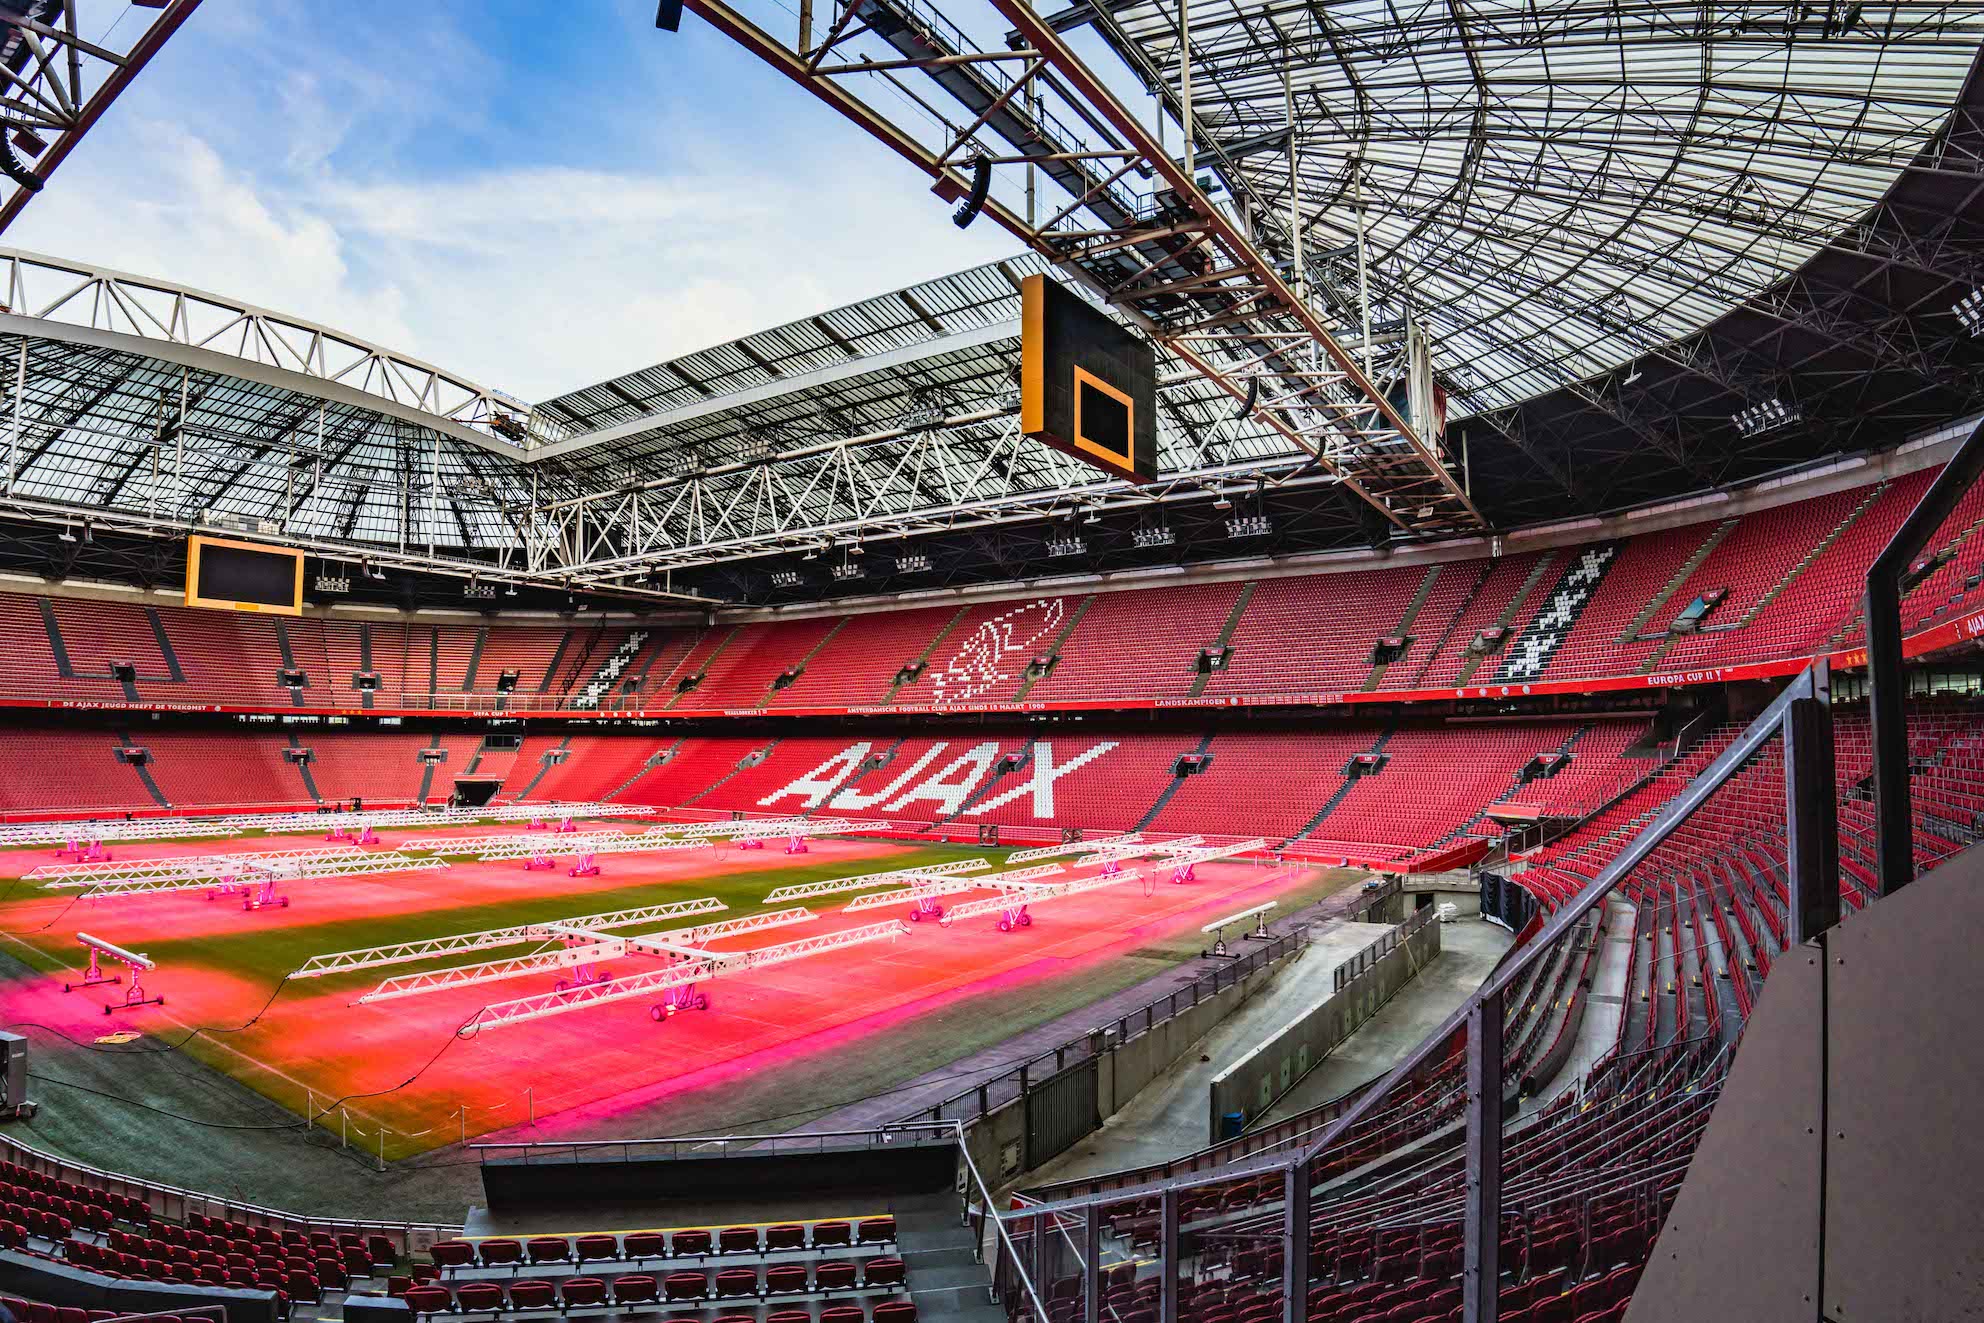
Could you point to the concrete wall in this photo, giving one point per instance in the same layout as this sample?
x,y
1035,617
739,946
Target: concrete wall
x,y
997,1140
1252,1084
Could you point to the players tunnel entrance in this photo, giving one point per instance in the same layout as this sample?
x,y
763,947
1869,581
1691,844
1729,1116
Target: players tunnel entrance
x,y
474,792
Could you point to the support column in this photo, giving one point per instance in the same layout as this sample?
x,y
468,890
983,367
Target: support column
x,y
1481,1261
1167,1255
1092,1265
1811,825
1295,1244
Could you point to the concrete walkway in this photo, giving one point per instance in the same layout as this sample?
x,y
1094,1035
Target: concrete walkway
x,y
1469,948
955,1076
1173,1115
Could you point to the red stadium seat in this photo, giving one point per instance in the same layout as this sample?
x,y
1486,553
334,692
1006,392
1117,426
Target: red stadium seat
x,y
434,1299
548,1249
634,1289
785,1278
637,1245
581,1292
479,1297
731,1282
686,1286
529,1293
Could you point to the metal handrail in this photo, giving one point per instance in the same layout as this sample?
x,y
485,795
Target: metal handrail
x,y
1812,683
815,1140
1894,838
1080,1048
1383,947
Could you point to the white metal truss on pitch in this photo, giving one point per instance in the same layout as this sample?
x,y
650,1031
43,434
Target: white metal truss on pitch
x,y
399,953
586,945
1205,854
194,866
1036,895
500,1014
368,865
143,829
1074,847
493,840
287,823
863,881
1016,879
751,828
621,843
1133,849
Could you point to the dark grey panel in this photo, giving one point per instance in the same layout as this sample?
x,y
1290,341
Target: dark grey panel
x,y
1743,1239
1905,1120
1060,1111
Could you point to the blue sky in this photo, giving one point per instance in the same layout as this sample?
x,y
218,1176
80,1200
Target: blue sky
x,y
538,196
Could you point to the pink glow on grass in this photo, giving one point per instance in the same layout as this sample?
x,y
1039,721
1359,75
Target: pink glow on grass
x,y
601,1062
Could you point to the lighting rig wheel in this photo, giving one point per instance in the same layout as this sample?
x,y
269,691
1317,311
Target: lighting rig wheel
x,y
702,1002
657,1013
916,916
1005,925
1026,921
562,985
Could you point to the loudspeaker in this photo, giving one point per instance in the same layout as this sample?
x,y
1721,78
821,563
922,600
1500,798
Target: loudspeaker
x,y
14,1077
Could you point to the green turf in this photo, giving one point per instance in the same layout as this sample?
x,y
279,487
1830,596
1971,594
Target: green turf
x,y
264,956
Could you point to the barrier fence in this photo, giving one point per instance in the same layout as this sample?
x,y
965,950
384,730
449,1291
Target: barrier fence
x,y
1383,947
969,1105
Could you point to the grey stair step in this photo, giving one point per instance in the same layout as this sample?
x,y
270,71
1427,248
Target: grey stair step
x,y
945,1277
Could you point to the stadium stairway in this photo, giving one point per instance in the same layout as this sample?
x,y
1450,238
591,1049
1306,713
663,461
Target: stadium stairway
x,y
543,766
1329,805
1506,620
1053,649
1164,796
753,759
1686,572
945,1284
1226,632
1404,626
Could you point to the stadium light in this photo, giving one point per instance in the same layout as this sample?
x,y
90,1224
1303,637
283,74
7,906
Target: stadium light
x,y
1255,525
1969,310
785,578
1065,544
847,570
914,563
1765,415
1154,535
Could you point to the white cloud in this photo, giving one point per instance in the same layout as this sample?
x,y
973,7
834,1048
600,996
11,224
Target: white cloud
x,y
300,188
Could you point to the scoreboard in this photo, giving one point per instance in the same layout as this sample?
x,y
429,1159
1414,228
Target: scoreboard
x,y
243,576
1088,387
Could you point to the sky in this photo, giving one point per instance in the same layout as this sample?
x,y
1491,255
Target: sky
x,y
536,196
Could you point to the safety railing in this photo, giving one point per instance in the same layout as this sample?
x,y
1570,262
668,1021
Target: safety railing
x,y
1886,684
967,1105
704,1146
179,1204
1445,1104
1383,947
